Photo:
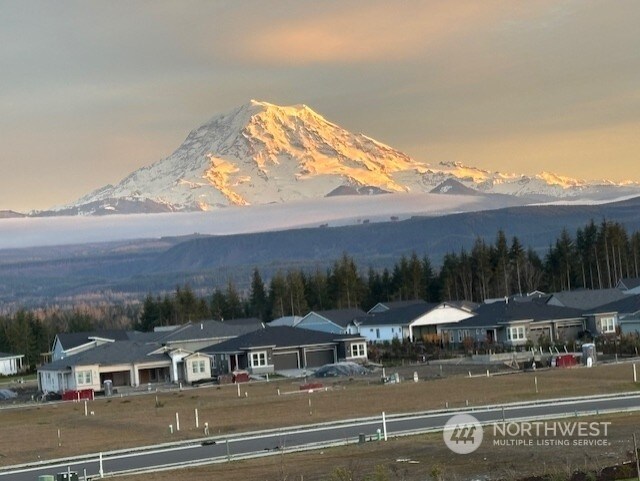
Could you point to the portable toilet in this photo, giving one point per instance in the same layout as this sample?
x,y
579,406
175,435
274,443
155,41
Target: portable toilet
x,y
589,354
108,387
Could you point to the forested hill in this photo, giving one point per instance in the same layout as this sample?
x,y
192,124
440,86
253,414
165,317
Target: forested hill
x,y
535,226
122,272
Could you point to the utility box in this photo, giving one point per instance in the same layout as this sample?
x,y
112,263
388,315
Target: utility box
x,y
68,476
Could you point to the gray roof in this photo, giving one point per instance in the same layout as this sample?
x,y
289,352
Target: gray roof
x,y
629,282
627,305
398,316
498,313
69,340
209,330
120,352
396,304
278,337
6,354
341,317
586,298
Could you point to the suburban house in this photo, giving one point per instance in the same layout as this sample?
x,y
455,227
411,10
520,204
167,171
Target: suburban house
x,y
283,348
629,285
10,364
130,358
517,323
418,321
584,298
124,363
623,315
335,321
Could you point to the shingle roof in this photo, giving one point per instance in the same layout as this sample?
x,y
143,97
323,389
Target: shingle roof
x,y
120,352
279,336
341,317
587,298
398,316
209,330
497,313
6,354
69,340
397,304
630,282
627,305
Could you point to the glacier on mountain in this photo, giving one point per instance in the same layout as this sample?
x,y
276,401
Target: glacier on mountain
x,y
262,153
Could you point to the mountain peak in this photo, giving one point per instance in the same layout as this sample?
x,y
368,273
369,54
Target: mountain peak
x,y
261,153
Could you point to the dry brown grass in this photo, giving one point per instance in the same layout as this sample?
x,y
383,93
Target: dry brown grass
x,y
31,434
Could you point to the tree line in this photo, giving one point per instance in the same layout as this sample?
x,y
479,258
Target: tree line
x,y
597,256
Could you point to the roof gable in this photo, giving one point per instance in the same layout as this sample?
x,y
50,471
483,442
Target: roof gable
x,y
339,317
629,283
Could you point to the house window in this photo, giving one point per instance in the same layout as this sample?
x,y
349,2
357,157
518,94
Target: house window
x,y
83,377
194,367
607,325
377,333
459,336
516,333
259,359
201,366
358,350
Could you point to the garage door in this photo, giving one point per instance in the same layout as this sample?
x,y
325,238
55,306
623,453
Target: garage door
x,y
320,358
285,360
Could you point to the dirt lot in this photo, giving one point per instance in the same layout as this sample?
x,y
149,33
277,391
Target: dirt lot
x,y
424,457
31,433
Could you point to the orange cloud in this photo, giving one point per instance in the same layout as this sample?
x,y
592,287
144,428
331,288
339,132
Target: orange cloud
x,y
370,31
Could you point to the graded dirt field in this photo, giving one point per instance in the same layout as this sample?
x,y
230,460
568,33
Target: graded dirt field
x,y
31,433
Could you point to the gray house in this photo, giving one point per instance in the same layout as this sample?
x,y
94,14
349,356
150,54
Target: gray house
x,y
623,315
517,323
282,348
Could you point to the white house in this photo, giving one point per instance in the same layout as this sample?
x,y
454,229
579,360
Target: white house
x,y
10,364
413,322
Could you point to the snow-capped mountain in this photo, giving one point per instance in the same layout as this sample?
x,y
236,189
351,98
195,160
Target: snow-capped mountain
x,y
262,153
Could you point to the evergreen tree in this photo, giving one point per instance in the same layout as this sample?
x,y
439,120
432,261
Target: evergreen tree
x,y
258,297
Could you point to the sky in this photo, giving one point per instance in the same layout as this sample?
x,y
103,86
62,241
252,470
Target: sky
x,y
93,90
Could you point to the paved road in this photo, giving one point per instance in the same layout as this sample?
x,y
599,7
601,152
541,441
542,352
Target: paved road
x,y
304,436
